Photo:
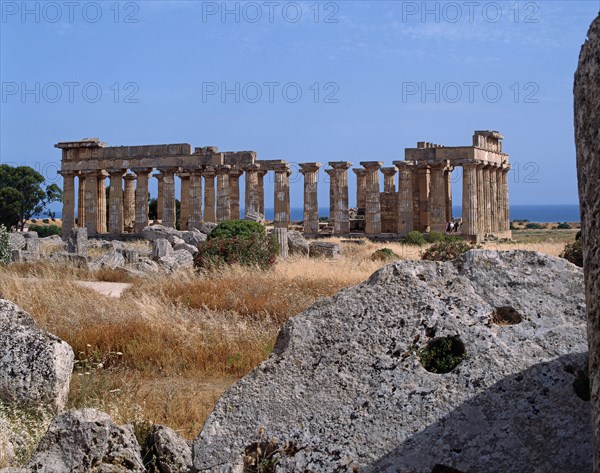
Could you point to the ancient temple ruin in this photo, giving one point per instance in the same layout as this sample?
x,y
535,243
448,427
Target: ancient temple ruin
x,y
420,199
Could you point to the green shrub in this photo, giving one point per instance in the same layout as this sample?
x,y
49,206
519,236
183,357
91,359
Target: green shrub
x,y
44,231
433,237
564,226
414,238
258,249
533,226
4,246
446,250
236,228
384,254
573,253
442,355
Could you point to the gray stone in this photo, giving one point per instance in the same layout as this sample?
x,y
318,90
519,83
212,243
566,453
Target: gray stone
x,y
194,237
587,134
32,242
297,244
111,260
16,256
184,246
7,450
130,256
161,248
207,227
35,366
16,241
175,240
324,249
146,265
178,259
78,242
55,239
255,217
171,452
345,388
67,259
281,236
155,232
87,440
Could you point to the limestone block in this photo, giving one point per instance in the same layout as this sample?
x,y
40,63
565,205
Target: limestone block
x,y
87,440
172,453
297,244
194,237
175,240
160,248
324,249
154,232
16,256
364,381
35,366
32,242
111,260
130,256
78,242
281,235
16,241
146,265
177,260
184,246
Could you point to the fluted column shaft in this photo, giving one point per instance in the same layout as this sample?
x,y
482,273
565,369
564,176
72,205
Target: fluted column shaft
x,y
494,200
169,217
115,203
361,189
159,199
311,203
81,202
332,186
101,207
372,199
282,184
438,198
448,192
129,200
141,199
234,193
223,210
252,204
184,205
480,200
469,200
487,196
341,218
260,186
68,212
389,184
195,220
92,204
505,201
424,175
209,195
405,197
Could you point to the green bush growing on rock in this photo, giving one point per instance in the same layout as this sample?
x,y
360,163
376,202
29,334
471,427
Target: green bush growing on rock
x,y
384,254
573,253
415,238
447,250
44,231
4,246
442,355
237,242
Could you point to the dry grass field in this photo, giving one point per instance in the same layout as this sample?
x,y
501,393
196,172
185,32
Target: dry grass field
x,y
169,347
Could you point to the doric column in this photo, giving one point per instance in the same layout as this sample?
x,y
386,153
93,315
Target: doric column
x,y
159,198
260,186
195,219
332,175
68,212
209,194
168,201
115,204
424,176
494,201
469,200
92,204
234,193
341,217
389,184
487,196
405,196
448,189
100,203
129,200
252,204
505,201
372,198
288,203
480,200
361,189
311,202
282,185
81,201
223,210
281,235
184,204
141,199
438,197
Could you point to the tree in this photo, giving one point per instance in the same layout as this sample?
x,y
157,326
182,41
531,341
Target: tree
x,y
22,195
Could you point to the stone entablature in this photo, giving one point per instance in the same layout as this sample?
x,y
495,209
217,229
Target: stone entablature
x,y
416,194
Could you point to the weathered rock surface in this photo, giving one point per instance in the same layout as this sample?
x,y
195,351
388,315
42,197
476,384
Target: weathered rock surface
x,y
112,260
191,249
176,260
35,366
77,242
154,232
297,244
171,453
87,440
161,247
324,249
69,259
346,387
16,241
194,237
587,136
32,242
175,240
146,265
7,451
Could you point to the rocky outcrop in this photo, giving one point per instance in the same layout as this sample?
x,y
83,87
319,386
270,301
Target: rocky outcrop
x,y
587,137
35,366
77,242
170,453
324,249
154,232
473,365
111,260
87,440
16,241
297,244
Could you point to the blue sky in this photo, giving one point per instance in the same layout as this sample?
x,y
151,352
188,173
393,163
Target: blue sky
x,y
301,81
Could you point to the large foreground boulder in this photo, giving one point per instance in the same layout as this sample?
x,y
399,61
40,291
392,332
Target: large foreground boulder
x,y
587,135
474,365
35,366
87,440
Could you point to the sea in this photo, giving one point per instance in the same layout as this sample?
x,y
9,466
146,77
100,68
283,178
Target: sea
x,y
532,213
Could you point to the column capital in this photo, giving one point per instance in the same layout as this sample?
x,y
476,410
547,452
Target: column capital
x,y
340,165
159,177
389,171
361,172
68,173
371,165
331,172
113,171
251,168
209,172
139,171
130,177
235,172
281,168
403,165
168,170
262,172
307,168
223,169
